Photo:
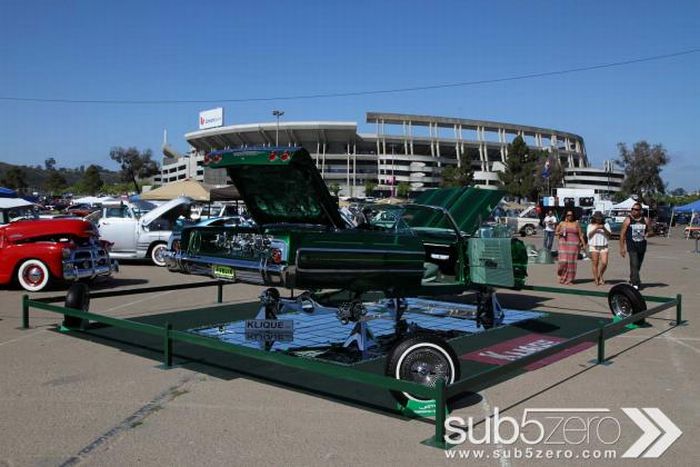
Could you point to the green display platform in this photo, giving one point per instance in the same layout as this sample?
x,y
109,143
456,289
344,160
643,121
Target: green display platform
x,y
485,358
558,327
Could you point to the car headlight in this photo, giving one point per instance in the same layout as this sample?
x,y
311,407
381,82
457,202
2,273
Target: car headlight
x,y
66,252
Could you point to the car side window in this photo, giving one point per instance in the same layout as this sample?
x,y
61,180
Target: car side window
x,y
119,212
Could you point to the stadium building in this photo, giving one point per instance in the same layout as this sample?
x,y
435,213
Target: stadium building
x,y
402,148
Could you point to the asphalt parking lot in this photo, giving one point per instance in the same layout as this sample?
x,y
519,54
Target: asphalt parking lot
x,y
67,400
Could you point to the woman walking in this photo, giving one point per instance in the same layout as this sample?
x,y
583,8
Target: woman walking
x,y
570,241
598,234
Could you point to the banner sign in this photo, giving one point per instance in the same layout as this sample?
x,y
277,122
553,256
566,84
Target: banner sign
x,y
211,118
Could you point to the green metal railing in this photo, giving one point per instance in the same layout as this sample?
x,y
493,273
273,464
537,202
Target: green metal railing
x,y
440,393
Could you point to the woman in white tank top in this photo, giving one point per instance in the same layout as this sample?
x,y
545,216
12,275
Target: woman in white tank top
x,y
598,234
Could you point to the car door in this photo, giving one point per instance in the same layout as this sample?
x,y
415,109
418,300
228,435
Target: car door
x,y
118,225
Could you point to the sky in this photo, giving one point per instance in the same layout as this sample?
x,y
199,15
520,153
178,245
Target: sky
x,y
253,57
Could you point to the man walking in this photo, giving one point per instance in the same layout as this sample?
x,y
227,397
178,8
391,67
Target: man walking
x,y
633,241
550,224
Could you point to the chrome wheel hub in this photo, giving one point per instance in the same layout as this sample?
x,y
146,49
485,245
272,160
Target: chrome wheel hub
x,y
621,306
34,275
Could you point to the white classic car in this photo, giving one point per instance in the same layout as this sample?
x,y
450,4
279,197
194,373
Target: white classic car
x,y
138,235
524,223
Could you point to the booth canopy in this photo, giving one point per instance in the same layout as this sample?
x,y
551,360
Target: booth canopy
x,y
627,204
193,189
690,207
9,203
225,193
7,193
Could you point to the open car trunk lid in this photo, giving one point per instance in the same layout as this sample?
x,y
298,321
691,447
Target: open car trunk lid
x,y
279,185
469,207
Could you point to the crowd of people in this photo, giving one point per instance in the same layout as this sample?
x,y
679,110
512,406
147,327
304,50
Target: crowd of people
x,y
594,243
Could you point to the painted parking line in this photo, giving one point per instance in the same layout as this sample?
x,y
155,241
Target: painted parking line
x,y
22,337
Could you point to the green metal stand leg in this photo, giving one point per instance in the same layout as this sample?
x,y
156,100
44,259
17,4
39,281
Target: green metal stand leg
x,y
220,292
679,310
167,346
440,409
601,345
25,311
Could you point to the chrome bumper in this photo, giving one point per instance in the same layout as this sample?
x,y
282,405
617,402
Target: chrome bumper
x,y
88,263
260,272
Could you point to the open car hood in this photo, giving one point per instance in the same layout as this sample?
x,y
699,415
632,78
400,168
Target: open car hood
x,y
469,207
279,185
155,213
28,230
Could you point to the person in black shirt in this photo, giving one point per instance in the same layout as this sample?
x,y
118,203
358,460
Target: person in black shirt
x,y
633,241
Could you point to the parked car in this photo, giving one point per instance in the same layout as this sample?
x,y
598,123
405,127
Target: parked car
x,y
615,226
660,228
525,223
301,240
693,229
140,236
80,210
36,252
681,218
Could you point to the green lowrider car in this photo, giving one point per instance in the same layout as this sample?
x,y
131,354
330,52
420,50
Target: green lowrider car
x,y
302,241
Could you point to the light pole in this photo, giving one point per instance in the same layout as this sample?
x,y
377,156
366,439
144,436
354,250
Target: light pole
x,y
278,114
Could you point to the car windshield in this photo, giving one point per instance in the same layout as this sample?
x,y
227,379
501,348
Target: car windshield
x,y
142,207
19,213
423,217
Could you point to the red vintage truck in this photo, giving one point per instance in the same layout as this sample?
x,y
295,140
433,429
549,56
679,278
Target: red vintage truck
x,y
36,252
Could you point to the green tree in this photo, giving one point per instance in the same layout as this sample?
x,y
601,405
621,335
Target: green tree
x,y
14,178
370,186
518,179
642,166
678,192
453,176
91,181
134,164
116,189
403,189
334,188
55,183
50,163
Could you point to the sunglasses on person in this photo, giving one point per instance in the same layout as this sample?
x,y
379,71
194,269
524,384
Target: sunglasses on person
x,y
636,209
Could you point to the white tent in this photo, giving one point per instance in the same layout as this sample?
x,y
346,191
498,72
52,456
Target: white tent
x,y
9,203
627,205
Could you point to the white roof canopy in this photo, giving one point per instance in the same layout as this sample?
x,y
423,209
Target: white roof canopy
x,y
9,203
627,204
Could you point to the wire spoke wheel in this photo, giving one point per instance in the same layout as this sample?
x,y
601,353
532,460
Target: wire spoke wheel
x,y
158,254
425,366
625,301
621,306
422,359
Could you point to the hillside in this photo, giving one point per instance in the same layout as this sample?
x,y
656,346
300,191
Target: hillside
x,y
35,176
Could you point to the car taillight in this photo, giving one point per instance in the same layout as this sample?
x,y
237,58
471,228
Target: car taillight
x,y
276,256
284,156
272,156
